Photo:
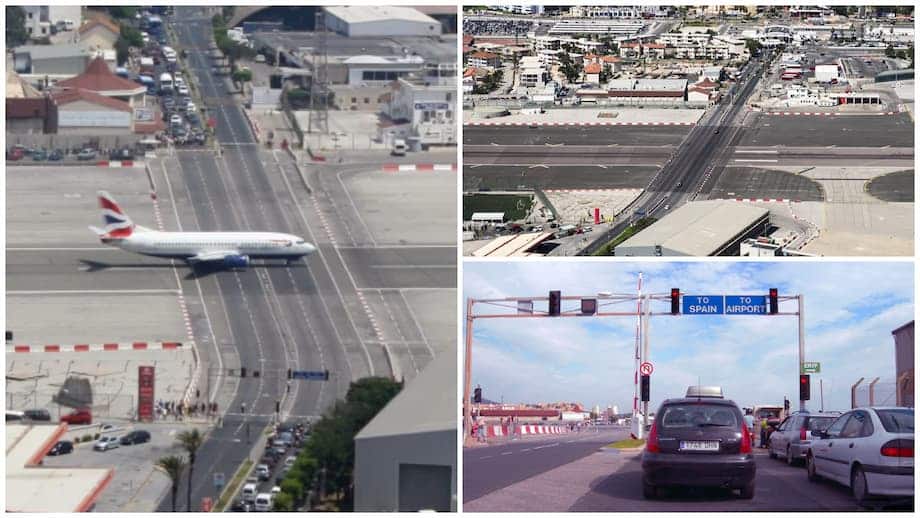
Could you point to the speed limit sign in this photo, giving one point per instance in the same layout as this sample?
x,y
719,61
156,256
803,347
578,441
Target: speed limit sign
x,y
646,368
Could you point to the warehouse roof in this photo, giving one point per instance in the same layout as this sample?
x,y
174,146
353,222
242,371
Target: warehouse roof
x,y
377,13
428,403
700,228
37,52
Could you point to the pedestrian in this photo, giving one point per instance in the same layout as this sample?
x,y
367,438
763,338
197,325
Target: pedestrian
x,y
482,432
763,433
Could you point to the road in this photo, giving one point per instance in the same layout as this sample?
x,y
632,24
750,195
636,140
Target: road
x,y
490,468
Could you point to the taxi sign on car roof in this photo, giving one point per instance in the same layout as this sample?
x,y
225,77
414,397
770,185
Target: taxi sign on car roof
x,y
702,391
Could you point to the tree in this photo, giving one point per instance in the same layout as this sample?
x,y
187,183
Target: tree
x,y
889,52
242,75
190,440
570,70
172,466
121,12
16,33
283,502
753,46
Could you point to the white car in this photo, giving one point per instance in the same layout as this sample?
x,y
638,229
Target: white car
x,y
869,450
190,107
106,443
176,120
182,90
263,503
263,472
288,462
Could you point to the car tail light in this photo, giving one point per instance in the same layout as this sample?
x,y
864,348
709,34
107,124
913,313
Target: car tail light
x,y
803,434
746,446
898,448
652,444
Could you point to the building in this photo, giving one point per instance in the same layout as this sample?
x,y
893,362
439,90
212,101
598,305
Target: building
x,y
826,73
42,20
642,91
701,228
533,72
33,488
609,11
593,73
522,9
422,111
482,59
99,33
904,363
380,70
702,45
375,20
598,27
99,79
52,61
83,112
406,457
28,111
516,245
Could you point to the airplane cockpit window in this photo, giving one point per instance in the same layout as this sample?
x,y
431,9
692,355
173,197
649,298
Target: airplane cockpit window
x,y
301,241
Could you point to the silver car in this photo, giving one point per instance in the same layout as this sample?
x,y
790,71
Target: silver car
x,y
792,438
869,450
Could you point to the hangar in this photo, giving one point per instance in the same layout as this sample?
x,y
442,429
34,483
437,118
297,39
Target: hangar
x,y
371,20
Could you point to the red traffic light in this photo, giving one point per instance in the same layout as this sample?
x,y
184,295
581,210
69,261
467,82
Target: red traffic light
x,y
675,301
774,301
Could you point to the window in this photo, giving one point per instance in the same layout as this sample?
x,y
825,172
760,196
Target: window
x,y
835,429
897,420
785,424
367,75
859,425
367,100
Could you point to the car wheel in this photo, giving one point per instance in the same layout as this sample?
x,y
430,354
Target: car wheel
x,y
859,486
770,452
811,469
747,492
649,491
790,460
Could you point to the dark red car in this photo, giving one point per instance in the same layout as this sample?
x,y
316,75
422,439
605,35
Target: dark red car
x,y
81,416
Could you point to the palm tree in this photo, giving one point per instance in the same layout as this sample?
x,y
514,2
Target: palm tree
x,y
172,466
191,440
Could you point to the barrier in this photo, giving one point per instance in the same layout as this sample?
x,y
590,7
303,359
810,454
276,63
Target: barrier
x,y
82,348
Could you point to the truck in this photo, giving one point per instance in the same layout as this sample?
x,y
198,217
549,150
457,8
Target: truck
x,y
774,415
399,147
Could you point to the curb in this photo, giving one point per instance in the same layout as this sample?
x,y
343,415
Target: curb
x,y
83,348
396,168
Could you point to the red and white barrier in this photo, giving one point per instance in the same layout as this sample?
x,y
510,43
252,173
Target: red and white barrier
x,y
119,163
767,200
398,168
85,348
592,123
497,430
828,114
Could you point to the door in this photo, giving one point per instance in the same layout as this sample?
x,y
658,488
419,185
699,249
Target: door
x,y
779,441
855,443
824,448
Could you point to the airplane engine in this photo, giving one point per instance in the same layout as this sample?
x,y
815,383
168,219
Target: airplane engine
x,y
236,261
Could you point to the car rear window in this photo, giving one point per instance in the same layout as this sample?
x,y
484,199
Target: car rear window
x,y
695,415
817,424
900,420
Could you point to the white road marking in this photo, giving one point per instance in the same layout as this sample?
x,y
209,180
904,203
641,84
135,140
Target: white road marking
x,y
756,160
92,292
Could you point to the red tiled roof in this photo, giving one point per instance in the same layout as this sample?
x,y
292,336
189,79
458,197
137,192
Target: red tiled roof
x,y
593,68
698,89
467,39
629,45
467,49
644,93
483,55
99,19
654,45
69,95
98,78
610,59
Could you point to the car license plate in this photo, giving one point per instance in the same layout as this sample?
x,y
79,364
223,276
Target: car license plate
x,y
699,445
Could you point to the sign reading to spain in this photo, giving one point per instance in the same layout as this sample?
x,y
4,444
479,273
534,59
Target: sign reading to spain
x,y
145,386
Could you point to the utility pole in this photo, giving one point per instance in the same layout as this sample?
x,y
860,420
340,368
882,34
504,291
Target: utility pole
x,y
801,299
319,95
821,384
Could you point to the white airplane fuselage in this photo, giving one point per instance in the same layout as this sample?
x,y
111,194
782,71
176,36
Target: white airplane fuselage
x,y
201,245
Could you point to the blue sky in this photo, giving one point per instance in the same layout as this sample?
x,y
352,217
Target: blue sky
x,y
850,310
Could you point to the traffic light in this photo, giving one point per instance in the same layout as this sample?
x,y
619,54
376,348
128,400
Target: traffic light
x,y
255,374
242,372
588,306
326,375
774,301
290,374
555,303
645,387
477,395
804,387
675,301
277,406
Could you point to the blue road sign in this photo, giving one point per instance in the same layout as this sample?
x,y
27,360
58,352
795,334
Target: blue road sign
x,y
703,305
745,305
309,375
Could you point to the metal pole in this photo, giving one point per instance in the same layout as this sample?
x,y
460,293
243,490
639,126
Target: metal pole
x,y
801,299
648,308
821,384
468,371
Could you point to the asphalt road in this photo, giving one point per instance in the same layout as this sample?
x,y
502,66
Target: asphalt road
x,y
582,135
756,182
502,177
893,187
841,131
490,468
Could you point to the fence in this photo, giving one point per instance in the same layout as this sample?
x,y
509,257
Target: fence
x,y
874,392
75,142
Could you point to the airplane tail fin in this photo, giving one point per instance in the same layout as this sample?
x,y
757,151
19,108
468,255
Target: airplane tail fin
x,y
117,222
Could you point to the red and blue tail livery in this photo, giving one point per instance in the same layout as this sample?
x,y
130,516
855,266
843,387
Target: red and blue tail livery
x,y
117,223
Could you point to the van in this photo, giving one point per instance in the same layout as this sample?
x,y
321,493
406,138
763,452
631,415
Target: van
x,y
249,492
263,502
38,414
399,147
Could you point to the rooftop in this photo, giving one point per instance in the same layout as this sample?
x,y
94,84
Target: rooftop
x,y
66,50
515,245
378,13
98,78
699,228
69,95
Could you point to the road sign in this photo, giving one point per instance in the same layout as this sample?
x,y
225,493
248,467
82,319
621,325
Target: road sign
x,y
219,480
310,375
703,305
811,367
646,368
745,305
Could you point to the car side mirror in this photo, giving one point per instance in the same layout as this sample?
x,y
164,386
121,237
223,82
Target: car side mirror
x,y
822,434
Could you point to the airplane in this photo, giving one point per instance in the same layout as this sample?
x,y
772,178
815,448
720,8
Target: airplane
x,y
221,249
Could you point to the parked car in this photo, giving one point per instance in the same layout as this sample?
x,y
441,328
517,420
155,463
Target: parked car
x,y
263,472
135,437
56,155
870,450
37,414
106,443
14,154
39,155
61,448
121,154
792,438
248,494
699,440
81,416
86,154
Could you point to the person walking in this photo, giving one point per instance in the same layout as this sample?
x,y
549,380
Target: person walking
x,y
482,432
763,433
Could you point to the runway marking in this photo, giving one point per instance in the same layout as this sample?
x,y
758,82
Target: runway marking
x,y
758,151
486,457
544,166
525,449
773,161
63,249
402,266
92,292
507,452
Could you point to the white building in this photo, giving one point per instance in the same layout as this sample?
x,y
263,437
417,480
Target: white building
x,y
533,72
522,9
826,73
375,20
421,111
890,34
558,42
610,11
40,18
611,28
379,70
695,45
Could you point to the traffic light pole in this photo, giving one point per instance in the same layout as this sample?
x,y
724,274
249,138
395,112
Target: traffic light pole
x,y
646,299
468,374
801,313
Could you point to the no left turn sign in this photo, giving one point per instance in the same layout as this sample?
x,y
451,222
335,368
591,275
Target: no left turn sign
x,y
646,368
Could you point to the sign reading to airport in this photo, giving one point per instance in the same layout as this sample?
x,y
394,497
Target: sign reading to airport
x,y
310,375
811,367
724,305
145,381
704,305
